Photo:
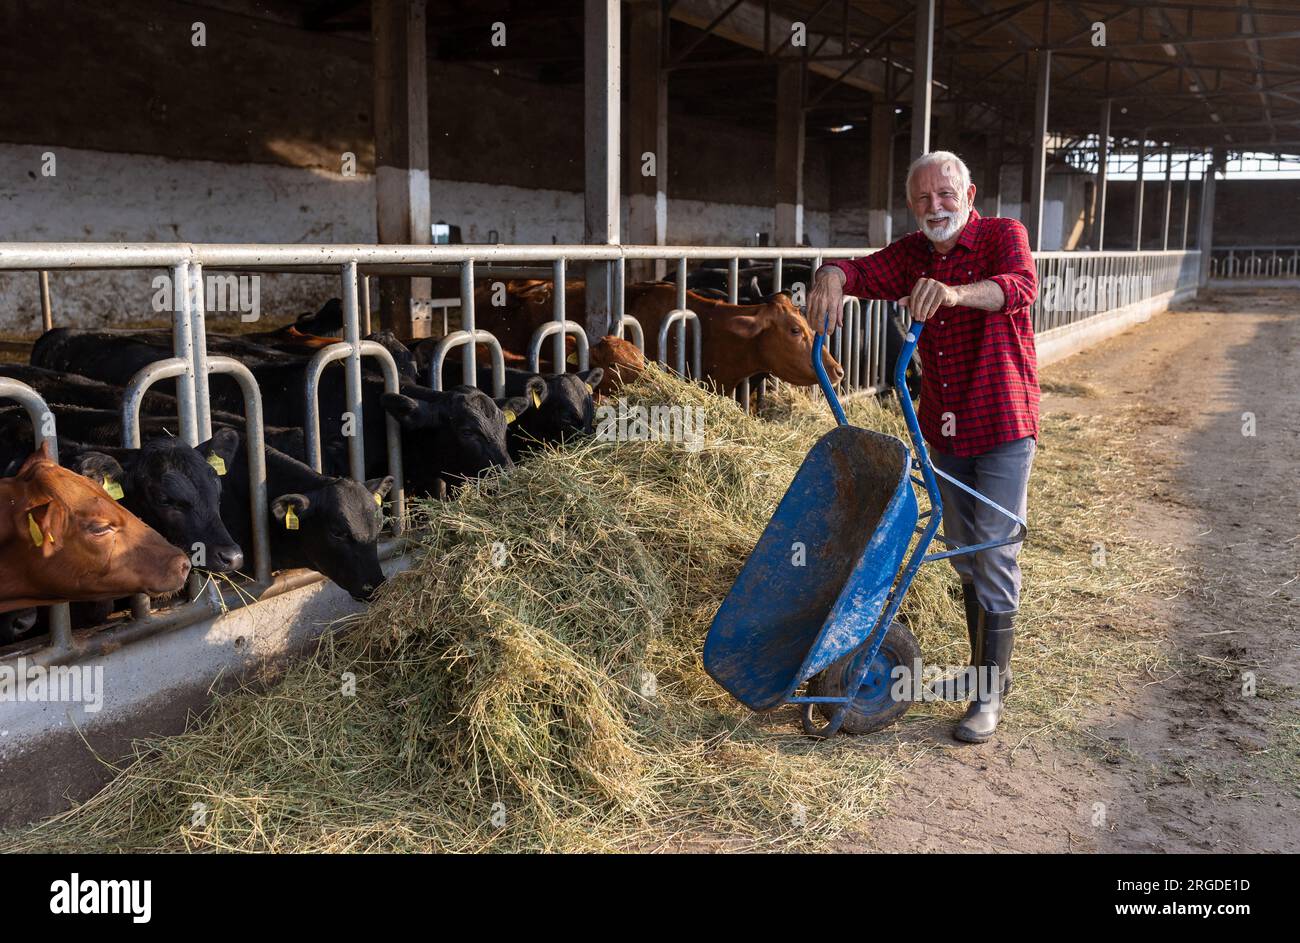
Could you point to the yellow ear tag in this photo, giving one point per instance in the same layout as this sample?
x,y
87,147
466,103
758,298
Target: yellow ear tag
x,y
35,530
572,358
510,416
590,388
290,518
537,400
218,463
113,488
379,501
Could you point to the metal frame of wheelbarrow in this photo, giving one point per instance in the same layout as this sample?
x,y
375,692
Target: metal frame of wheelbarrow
x,y
876,637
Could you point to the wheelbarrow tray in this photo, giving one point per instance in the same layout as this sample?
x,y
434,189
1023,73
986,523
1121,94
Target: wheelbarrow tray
x,y
852,508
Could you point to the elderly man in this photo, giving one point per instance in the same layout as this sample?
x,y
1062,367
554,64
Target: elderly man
x,y
972,278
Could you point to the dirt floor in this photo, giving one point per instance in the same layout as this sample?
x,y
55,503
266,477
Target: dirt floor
x,y
1192,759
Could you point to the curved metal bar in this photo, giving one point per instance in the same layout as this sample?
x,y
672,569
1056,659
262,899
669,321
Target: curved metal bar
x,y
460,339
255,446
618,329
558,328
133,397
38,411
681,316
393,431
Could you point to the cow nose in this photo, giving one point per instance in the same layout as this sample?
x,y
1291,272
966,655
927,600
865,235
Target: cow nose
x,y
182,568
228,559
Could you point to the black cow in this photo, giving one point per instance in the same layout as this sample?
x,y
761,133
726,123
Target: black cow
x,y
330,525
566,410
452,435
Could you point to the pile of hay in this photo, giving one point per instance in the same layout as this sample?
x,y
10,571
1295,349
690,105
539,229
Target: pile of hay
x,y
533,681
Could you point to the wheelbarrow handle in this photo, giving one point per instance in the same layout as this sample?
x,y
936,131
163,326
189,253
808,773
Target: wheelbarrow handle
x,y
900,380
905,400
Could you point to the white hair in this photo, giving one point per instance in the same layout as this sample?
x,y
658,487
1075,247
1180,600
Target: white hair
x,y
948,158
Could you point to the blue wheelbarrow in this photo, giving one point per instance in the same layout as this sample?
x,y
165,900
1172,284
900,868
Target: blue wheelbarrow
x,y
815,602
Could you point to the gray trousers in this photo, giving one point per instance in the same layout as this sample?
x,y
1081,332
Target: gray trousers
x,y
1001,475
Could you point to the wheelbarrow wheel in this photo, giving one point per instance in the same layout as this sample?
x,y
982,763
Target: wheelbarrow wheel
x,y
874,706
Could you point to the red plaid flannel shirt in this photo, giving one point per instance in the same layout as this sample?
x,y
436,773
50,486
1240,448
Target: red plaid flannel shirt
x,y
978,366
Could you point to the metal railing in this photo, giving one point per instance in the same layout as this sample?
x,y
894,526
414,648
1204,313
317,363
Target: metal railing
x,y
1076,286
861,346
1255,262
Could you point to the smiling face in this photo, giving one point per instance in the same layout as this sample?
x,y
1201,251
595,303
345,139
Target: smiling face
x,y
939,202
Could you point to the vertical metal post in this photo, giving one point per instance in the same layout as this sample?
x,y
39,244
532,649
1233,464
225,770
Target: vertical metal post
x,y
469,368
681,325
183,347
558,283
1103,158
1140,192
922,77
199,342
1206,241
602,119
1169,195
1038,169
365,306
1187,197
47,313
352,366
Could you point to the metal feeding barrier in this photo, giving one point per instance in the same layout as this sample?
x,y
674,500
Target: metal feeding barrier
x,y
862,346
1255,262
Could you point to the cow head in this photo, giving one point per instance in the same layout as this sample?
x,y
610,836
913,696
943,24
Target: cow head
x,y
176,490
338,526
567,410
68,540
620,359
451,434
780,343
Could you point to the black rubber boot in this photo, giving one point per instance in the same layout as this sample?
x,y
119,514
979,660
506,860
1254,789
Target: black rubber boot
x,y
961,688
995,637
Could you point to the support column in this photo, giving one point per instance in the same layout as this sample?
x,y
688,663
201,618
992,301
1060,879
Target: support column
x,y
1206,240
1139,192
647,134
922,78
879,228
402,211
602,162
1038,169
1169,194
788,230
1187,197
1103,157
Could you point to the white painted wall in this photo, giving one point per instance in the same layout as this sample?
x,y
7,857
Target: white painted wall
x,y
96,196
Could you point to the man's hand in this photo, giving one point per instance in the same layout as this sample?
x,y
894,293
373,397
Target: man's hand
x,y
826,300
927,297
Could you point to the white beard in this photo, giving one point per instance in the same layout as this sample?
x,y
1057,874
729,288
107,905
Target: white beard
x,y
954,225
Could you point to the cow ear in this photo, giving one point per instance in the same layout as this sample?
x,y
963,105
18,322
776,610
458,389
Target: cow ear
x,y
512,407
747,326
96,466
593,377
46,522
297,503
407,411
224,444
536,389
380,487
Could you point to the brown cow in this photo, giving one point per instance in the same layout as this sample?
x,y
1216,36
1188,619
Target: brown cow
x,y
63,539
737,341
